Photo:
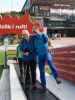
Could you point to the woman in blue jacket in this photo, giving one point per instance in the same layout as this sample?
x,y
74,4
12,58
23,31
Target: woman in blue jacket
x,y
41,48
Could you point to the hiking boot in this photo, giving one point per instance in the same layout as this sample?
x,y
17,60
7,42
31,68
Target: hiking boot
x,y
34,87
58,81
42,88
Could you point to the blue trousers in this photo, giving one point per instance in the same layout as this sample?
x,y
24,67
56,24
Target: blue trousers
x,y
41,61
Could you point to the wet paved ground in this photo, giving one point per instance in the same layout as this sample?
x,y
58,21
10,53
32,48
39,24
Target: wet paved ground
x,y
37,94
4,85
64,91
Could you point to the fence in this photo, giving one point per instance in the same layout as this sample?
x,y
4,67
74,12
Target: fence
x,y
11,54
64,59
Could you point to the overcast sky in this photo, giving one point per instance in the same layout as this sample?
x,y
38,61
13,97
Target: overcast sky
x,y
11,5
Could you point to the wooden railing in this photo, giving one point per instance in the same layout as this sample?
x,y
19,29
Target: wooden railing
x,y
64,59
11,54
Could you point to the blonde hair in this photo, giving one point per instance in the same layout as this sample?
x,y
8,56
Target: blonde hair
x,y
38,25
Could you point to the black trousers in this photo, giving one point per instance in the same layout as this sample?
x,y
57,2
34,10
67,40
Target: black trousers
x,y
30,70
33,71
20,67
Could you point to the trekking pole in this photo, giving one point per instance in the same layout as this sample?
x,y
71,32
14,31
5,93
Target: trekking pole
x,y
6,45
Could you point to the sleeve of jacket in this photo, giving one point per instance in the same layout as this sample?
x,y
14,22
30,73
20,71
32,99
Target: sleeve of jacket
x,y
17,52
45,37
34,43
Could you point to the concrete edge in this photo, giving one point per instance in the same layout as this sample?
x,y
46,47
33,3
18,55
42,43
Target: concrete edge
x,y
16,91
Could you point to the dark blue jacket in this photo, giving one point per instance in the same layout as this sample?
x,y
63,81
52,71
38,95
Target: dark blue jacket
x,y
41,44
27,46
32,48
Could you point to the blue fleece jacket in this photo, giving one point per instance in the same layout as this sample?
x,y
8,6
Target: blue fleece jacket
x,y
41,44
